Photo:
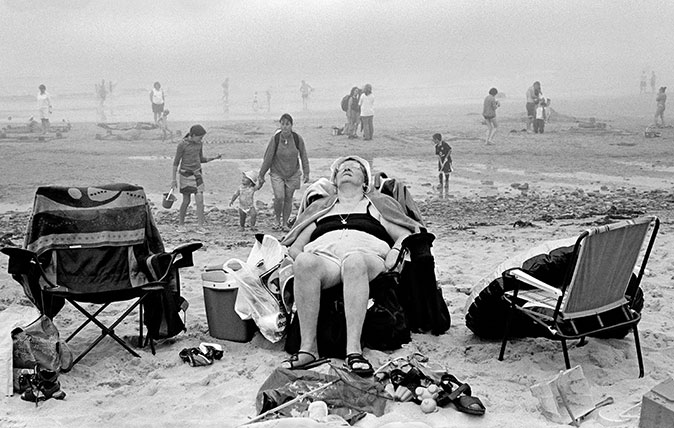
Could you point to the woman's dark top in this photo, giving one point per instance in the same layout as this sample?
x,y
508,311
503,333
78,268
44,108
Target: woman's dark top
x,y
364,222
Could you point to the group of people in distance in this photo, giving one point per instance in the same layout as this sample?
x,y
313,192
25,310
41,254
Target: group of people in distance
x,y
643,82
660,100
360,110
536,107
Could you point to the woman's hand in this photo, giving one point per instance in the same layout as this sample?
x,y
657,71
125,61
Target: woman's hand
x,y
260,183
391,258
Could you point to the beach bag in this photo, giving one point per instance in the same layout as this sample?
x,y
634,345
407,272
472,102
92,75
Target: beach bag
x,y
161,311
256,301
345,102
39,344
162,314
419,293
385,326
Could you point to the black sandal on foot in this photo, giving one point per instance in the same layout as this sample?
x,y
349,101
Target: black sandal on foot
x,y
352,360
294,364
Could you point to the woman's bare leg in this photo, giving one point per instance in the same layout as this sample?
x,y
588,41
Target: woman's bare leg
x,y
312,273
357,272
183,208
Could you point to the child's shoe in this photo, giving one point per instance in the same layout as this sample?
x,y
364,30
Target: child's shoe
x,y
43,385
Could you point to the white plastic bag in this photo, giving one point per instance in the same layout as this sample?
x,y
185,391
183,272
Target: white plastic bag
x,y
255,301
266,254
266,257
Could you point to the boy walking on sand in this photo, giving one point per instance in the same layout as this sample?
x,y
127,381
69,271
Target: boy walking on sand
x,y
188,160
246,196
444,153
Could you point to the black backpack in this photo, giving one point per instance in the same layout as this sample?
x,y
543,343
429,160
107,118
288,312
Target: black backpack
x,y
345,102
419,292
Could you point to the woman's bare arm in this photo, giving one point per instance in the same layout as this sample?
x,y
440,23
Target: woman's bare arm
x,y
302,240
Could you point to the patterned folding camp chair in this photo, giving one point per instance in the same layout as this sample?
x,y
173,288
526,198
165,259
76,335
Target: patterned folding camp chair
x,y
592,298
95,245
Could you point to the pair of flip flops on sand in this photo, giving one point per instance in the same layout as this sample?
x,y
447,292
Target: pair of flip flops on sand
x,y
356,363
204,355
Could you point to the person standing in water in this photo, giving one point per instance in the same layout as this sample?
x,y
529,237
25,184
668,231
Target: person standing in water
x,y
157,99
489,114
44,106
305,90
660,99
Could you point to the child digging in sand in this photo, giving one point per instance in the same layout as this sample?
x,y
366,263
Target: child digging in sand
x,y
444,153
246,196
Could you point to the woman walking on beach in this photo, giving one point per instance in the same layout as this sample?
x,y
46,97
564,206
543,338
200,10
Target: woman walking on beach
x,y
287,161
489,114
367,111
44,107
660,99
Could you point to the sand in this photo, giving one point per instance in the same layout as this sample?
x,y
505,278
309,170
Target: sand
x,y
574,176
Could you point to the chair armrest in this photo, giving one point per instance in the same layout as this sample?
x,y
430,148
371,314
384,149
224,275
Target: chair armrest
x,y
182,255
21,261
25,262
524,277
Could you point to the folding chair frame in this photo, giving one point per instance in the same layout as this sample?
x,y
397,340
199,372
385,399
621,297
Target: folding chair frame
x,y
22,260
557,326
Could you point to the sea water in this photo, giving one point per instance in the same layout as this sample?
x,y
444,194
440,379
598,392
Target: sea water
x,y
190,97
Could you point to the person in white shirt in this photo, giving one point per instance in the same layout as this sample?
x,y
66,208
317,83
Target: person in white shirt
x,y
367,111
44,107
157,100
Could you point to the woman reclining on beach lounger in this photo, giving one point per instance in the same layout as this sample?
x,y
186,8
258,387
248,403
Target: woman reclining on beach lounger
x,y
349,238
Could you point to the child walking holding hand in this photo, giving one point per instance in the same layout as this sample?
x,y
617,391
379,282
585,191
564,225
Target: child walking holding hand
x,y
444,153
246,196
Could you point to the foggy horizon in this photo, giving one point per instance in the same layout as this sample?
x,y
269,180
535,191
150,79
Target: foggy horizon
x,y
570,46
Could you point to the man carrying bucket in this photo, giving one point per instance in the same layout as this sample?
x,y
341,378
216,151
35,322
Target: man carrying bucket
x,y
188,160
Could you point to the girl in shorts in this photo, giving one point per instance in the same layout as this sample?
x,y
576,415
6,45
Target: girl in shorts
x,y
489,114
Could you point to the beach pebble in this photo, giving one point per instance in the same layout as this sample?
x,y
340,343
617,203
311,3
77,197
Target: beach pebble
x,y
428,405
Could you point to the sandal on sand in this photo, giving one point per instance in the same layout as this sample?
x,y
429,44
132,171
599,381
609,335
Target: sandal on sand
x,y
294,364
195,358
357,364
213,351
461,397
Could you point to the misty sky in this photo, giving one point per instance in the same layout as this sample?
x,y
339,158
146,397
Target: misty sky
x,y
576,42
